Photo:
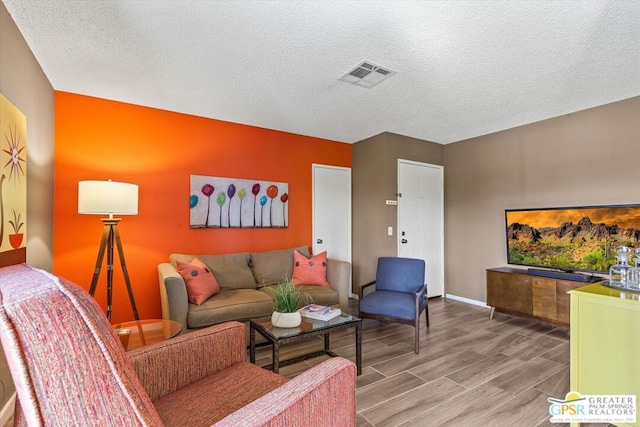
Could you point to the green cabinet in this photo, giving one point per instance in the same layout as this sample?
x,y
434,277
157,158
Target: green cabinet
x,y
605,342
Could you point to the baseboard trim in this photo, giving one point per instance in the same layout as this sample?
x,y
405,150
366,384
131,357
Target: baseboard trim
x,y
8,410
468,301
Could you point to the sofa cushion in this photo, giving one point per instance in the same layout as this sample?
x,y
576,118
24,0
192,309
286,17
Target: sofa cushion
x,y
310,271
232,304
219,394
273,266
322,295
231,270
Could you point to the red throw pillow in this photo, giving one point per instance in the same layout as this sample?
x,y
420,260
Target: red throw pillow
x,y
200,282
310,271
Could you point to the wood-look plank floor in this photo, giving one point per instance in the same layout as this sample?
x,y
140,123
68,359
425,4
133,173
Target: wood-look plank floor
x,y
471,371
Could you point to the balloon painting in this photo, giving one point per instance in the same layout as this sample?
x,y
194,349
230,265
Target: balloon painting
x,y
217,202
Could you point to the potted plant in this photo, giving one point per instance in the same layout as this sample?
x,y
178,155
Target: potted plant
x,y
16,238
287,298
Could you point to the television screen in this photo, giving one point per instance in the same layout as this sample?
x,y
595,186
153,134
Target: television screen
x,y
571,239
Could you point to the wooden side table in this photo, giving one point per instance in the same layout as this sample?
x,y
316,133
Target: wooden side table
x,y
139,333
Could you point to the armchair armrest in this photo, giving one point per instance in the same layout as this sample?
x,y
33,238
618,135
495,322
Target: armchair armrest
x,y
362,288
170,365
421,298
421,289
173,295
338,276
324,395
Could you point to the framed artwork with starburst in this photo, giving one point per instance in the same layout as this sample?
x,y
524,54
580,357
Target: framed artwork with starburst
x,y
13,184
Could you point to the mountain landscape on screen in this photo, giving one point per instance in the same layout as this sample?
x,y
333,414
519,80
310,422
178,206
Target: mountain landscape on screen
x,y
582,245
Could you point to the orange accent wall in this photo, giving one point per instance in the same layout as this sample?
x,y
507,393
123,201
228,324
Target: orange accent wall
x,y
159,150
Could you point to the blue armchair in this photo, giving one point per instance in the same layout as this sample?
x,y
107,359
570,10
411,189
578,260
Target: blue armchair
x,y
400,294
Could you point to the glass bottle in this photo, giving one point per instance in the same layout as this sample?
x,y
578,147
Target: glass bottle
x,y
620,272
634,275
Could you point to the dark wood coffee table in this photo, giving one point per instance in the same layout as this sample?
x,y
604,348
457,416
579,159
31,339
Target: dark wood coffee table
x,y
308,329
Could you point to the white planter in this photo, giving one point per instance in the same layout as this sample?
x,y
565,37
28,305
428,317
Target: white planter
x,y
286,320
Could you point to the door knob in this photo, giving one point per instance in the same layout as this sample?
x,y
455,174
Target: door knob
x,y
403,241
319,241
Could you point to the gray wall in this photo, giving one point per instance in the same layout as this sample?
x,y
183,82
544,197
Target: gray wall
x,y
591,157
24,84
375,180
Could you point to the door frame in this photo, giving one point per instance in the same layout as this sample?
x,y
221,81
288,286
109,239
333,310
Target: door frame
x,y
441,169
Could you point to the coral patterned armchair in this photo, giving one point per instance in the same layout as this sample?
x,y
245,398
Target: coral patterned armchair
x,y
69,368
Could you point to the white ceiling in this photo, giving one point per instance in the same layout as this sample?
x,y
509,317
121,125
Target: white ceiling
x,y
464,68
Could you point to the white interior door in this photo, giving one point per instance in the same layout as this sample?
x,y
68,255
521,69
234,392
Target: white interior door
x,y
332,211
421,219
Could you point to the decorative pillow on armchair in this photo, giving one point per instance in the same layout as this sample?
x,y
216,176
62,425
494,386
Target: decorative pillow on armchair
x,y
310,271
200,282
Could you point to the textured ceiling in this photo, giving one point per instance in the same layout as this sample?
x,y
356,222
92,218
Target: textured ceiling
x,y
464,68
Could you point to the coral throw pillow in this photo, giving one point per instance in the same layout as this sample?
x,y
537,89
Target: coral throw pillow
x,y
200,282
310,271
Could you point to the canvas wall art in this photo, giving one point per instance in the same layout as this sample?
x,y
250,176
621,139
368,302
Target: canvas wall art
x,y
13,184
217,202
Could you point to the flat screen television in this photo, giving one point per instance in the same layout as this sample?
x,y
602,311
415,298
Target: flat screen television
x,y
572,238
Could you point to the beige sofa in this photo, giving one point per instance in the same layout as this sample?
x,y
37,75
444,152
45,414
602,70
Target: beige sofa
x,y
244,278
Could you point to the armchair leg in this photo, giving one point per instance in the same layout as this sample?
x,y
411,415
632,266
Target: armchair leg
x,y
426,314
417,344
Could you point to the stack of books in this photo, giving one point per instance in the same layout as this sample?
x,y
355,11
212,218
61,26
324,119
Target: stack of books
x,y
319,312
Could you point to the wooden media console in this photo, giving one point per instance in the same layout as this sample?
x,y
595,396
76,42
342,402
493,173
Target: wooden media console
x,y
513,291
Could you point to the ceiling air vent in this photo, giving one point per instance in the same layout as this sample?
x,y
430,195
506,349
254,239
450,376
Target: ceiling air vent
x,y
367,74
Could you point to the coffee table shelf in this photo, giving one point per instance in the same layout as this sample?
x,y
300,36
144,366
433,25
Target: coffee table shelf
x,y
308,329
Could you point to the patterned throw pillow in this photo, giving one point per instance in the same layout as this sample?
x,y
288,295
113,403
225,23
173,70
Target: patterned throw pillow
x,y
310,271
200,282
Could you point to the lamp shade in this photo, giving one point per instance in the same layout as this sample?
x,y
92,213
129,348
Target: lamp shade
x,y
107,197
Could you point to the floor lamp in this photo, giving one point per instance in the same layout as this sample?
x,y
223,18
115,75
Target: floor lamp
x,y
109,198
